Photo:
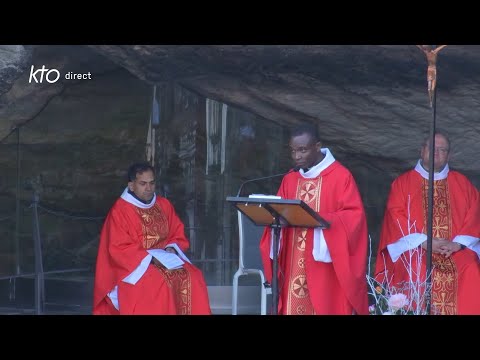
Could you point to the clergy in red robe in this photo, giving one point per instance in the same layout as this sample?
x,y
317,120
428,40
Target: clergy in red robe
x,y
321,271
141,265
401,258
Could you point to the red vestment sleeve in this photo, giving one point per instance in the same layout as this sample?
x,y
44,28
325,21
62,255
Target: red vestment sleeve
x,y
398,221
466,202
347,237
119,254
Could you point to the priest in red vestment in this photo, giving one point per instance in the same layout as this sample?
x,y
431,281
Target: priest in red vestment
x,y
141,266
401,258
321,271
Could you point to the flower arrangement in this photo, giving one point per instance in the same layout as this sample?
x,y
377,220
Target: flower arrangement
x,y
410,297
395,304
403,299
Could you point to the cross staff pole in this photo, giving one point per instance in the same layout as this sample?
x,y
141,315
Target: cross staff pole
x,y
431,52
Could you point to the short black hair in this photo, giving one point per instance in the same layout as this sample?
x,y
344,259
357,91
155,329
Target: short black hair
x,y
138,168
305,128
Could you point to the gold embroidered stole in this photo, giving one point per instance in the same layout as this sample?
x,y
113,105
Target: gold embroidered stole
x,y
298,301
155,229
444,277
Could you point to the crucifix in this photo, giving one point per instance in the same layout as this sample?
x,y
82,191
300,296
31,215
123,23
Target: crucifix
x,y
431,53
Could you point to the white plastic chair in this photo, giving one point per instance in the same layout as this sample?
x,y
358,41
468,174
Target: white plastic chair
x,y
250,261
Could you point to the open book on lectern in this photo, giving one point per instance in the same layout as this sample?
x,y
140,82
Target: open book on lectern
x,y
263,211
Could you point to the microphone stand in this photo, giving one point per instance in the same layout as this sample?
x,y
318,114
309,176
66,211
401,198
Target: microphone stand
x,y
275,234
296,168
275,231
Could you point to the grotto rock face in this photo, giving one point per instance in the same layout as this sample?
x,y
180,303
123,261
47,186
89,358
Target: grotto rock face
x,y
370,103
368,100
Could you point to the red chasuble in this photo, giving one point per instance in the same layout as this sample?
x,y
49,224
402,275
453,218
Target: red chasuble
x,y
456,211
307,286
126,234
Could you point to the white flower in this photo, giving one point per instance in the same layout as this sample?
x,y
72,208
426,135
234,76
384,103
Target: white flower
x,y
387,313
397,301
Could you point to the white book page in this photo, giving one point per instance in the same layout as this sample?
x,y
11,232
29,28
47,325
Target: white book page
x,y
263,196
169,260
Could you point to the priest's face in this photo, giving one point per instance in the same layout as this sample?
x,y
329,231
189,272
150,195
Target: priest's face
x,y
143,186
442,152
305,151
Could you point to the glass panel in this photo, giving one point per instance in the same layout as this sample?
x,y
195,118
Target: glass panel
x,y
205,150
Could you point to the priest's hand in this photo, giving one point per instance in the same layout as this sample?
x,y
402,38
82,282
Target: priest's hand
x,y
156,262
171,250
450,248
437,244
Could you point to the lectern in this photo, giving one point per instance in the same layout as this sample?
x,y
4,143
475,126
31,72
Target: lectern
x,y
277,213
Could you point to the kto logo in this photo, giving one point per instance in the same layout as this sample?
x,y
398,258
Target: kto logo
x,y
51,75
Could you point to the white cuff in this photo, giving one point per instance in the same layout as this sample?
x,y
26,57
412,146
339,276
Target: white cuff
x,y
139,271
405,243
470,242
320,250
113,295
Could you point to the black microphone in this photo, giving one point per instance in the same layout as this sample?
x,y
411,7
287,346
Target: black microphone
x,y
295,169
